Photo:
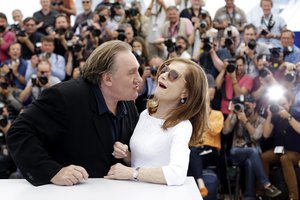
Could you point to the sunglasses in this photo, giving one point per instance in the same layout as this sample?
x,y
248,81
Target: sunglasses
x,y
172,74
86,2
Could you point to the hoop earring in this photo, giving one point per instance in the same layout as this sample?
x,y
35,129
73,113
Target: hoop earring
x,y
183,100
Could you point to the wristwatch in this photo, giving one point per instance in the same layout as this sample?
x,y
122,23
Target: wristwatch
x,y
290,117
135,174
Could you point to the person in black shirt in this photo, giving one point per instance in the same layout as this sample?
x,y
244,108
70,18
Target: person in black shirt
x,y
68,133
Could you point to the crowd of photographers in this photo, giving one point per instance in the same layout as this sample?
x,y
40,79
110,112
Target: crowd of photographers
x,y
254,70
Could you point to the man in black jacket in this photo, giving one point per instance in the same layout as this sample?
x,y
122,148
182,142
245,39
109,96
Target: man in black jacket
x,y
67,135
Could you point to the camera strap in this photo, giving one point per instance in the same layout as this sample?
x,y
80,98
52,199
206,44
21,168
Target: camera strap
x,y
268,25
231,16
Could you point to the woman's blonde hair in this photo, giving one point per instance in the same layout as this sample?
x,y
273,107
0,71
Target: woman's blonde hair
x,y
195,108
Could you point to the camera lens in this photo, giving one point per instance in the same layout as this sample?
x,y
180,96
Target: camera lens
x,y
252,44
230,68
274,108
263,73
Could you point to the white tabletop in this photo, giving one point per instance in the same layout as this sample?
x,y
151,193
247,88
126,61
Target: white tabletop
x,y
98,189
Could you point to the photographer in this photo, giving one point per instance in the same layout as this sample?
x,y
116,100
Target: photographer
x,y
250,49
45,17
175,25
282,131
139,22
229,15
66,7
85,16
6,38
58,68
247,127
291,53
107,28
261,83
176,48
30,38
39,81
148,84
270,26
7,165
233,82
15,67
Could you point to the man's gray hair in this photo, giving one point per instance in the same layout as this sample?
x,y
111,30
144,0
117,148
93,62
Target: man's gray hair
x,y
102,60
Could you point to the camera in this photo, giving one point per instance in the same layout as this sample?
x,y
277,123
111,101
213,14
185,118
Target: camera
x,y
264,32
37,49
3,118
274,108
86,23
57,3
4,85
43,79
20,33
238,103
2,29
263,72
131,12
102,19
94,31
34,79
203,24
207,44
153,70
45,55
61,31
171,45
252,44
291,76
121,34
231,65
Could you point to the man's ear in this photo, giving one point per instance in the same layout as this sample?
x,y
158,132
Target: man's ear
x,y
107,79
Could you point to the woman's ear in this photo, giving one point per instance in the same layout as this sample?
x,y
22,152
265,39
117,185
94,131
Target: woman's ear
x,y
184,94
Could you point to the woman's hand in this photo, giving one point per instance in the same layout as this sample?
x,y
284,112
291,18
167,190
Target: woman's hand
x,y
120,150
119,171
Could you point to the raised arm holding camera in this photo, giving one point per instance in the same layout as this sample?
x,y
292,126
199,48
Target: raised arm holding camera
x,y
235,83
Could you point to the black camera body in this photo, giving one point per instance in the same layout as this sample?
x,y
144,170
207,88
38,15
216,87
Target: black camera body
x,y
121,34
102,19
231,67
131,12
171,45
264,32
43,79
238,103
207,44
94,31
61,31
263,72
2,29
57,3
274,108
252,44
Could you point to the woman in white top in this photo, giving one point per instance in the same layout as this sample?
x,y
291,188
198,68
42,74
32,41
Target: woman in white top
x,y
159,151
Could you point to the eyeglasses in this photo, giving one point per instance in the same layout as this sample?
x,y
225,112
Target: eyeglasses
x,y
44,72
172,74
85,2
